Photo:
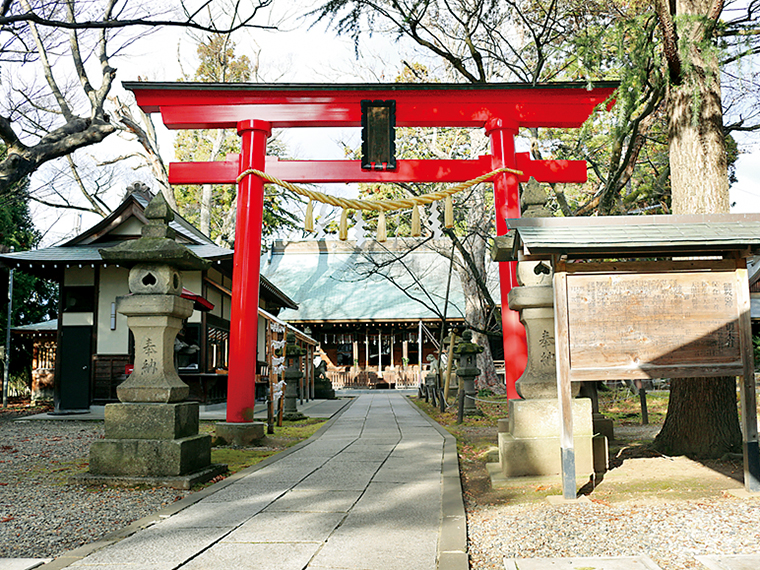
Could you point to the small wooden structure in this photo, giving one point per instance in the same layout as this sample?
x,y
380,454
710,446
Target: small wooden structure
x,y
92,340
275,333
670,300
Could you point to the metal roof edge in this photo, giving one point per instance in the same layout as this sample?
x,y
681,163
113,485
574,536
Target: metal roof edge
x,y
187,86
517,223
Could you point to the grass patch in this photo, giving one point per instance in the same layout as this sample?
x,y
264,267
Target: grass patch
x,y
493,410
624,407
237,458
240,458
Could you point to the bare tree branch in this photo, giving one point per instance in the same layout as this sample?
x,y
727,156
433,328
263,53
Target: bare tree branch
x,y
238,22
95,206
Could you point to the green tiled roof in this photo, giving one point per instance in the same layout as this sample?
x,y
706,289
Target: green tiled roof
x,y
44,326
70,255
334,281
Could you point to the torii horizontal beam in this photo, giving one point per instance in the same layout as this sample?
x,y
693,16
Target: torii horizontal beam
x,y
338,171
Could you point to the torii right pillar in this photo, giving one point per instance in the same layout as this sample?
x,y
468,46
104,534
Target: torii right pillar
x,y
507,203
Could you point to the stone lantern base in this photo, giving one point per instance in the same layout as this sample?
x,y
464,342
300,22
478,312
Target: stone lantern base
x,y
241,434
152,444
529,441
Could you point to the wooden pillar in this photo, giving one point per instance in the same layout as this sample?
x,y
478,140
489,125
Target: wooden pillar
x,y
244,320
419,354
505,191
393,343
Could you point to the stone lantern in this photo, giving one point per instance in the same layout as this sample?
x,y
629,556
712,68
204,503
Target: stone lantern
x,y
450,341
529,438
467,353
292,375
152,437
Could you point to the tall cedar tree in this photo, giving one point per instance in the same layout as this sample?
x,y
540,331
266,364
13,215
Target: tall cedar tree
x,y
702,418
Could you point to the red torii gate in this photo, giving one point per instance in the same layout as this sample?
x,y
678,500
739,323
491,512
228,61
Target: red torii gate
x,y
254,109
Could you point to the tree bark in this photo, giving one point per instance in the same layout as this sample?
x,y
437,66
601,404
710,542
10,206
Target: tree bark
x,y
697,148
702,418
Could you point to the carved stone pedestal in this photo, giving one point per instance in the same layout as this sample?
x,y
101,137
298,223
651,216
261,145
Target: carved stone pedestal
x,y
290,411
152,444
529,443
241,434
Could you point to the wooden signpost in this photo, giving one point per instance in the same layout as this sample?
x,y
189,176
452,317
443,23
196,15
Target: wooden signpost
x,y
684,315
653,320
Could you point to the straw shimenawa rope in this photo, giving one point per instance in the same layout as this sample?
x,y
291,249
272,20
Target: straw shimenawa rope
x,y
381,206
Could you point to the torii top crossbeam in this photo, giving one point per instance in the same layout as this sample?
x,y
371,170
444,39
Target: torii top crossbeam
x,y
254,109
224,105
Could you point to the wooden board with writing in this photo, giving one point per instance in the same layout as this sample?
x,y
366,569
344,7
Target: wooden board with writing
x,y
647,319
652,325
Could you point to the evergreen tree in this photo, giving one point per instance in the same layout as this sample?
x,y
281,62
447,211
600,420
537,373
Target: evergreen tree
x,y
34,299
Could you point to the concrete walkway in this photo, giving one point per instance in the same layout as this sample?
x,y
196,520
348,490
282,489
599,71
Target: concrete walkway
x,y
212,412
376,489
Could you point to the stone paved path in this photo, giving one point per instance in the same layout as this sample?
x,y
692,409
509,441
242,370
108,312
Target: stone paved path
x,y
365,495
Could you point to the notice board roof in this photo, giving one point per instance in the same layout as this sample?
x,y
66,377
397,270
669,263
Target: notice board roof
x,y
630,236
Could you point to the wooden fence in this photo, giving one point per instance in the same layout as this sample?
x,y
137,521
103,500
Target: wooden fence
x,y
399,378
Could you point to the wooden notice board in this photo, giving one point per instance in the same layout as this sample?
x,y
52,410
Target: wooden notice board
x,y
654,320
652,325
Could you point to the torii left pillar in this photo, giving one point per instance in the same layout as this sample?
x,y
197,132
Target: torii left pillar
x,y
241,383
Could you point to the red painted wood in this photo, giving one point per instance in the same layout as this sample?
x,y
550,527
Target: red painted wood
x,y
244,318
326,171
348,114
188,105
507,203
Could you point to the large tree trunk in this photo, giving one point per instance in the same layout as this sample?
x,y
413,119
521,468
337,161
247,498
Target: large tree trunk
x,y
698,165
702,418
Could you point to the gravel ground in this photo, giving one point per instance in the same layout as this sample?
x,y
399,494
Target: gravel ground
x,y
41,515
670,531
671,534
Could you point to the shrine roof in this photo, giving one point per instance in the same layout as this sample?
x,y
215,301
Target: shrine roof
x,y
333,281
630,236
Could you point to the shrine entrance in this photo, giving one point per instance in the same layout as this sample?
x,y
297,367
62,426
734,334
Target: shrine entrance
x,y
254,109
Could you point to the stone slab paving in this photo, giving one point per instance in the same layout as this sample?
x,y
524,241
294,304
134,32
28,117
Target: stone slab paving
x,y
619,563
22,563
214,412
731,562
376,489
